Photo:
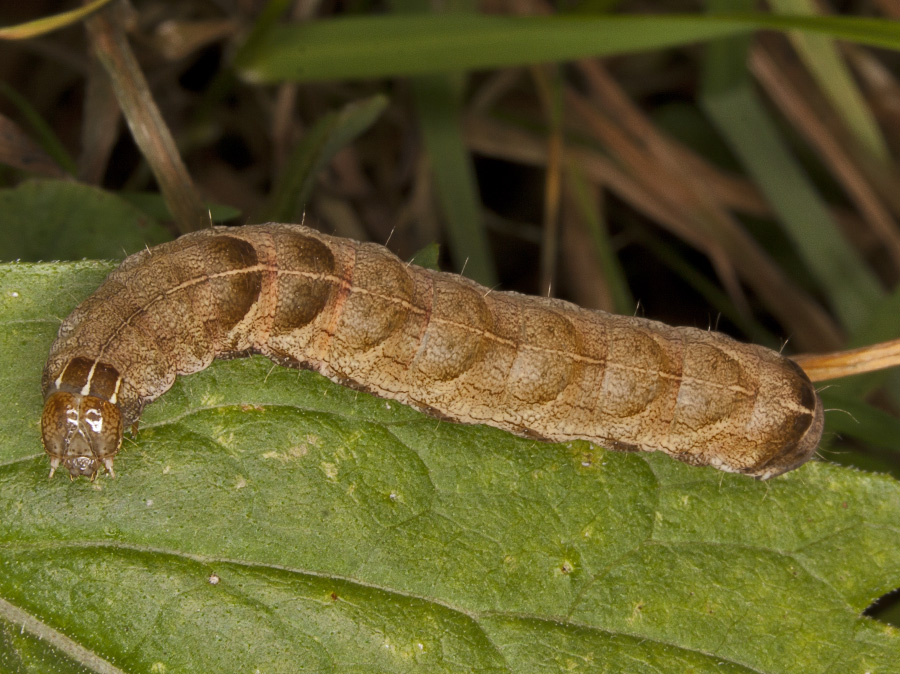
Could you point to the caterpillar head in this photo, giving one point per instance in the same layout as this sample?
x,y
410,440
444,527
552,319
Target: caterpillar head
x,y
81,432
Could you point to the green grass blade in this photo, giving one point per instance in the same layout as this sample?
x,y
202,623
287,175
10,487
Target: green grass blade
x,y
882,325
428,257
46,137
381,46
623,300
729,99
853,417
439,107
821,56
318,146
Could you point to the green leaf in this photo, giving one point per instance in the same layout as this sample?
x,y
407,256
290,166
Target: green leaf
x,y
384,46
428,257
59,220
267,519
154,205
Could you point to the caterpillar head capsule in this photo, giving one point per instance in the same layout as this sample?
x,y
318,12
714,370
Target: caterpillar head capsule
x,y
80,432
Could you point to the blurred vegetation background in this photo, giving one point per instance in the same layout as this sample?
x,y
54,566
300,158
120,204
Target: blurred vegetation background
x,y
690,169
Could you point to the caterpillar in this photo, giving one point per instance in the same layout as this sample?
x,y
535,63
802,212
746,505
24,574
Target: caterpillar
x,y
535,366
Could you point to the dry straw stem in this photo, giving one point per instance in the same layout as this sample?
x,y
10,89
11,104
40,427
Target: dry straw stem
x,y
820,367
147,126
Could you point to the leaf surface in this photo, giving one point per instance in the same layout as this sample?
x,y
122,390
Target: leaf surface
x,y
57,219
267,519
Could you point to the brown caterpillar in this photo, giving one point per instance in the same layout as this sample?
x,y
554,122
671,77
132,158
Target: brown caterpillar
x,y
534,366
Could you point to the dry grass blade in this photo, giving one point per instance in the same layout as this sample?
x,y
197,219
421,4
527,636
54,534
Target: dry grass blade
x,y
807,323
100,126
548,88
145,121
801,103
820,367
654,169
178,39
833,79
698,219
588,248
883,92
47,24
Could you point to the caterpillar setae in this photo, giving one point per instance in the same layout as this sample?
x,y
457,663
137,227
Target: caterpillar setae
x,y
535,366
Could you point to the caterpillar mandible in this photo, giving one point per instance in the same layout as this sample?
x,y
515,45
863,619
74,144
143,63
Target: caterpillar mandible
x,y
535,366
